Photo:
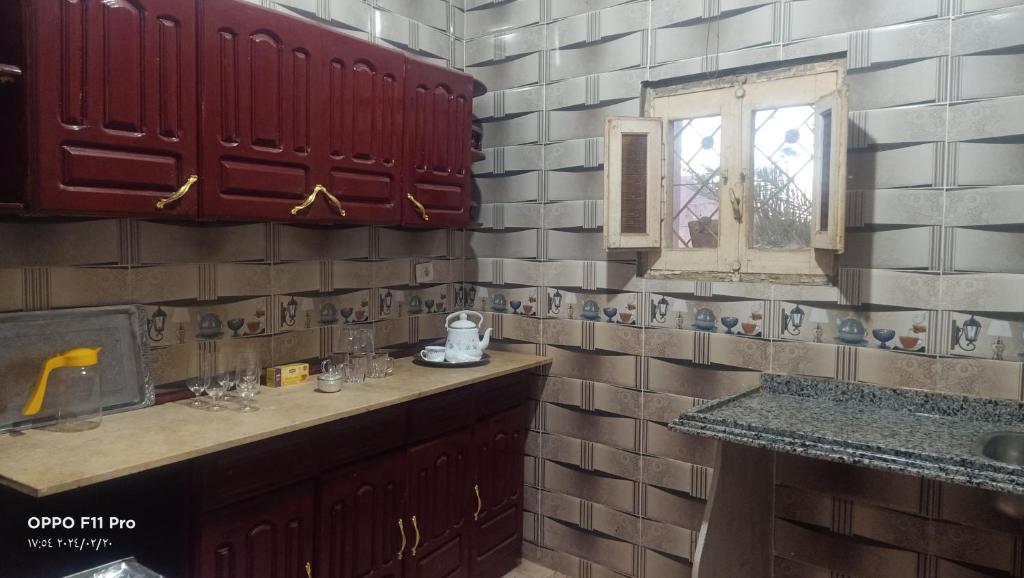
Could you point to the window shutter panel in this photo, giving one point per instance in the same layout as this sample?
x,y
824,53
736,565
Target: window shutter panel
x,y
830,127
633,179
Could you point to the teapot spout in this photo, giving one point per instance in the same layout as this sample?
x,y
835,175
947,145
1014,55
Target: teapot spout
x,y
486,339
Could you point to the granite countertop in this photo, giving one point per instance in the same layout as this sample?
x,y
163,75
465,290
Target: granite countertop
x,y
40,463
908,431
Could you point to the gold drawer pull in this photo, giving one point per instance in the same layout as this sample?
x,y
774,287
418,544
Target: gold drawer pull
x,y
309,200
419,207
179,193
479,502
401,528
334,201
415,544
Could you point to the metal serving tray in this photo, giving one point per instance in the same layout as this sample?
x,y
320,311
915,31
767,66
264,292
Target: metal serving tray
x,y
28,339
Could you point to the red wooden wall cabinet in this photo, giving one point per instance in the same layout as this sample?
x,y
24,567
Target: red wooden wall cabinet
x,y
364,119
110,104
261,127
439,127
295,121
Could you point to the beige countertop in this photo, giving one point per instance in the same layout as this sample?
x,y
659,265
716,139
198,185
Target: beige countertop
x,y
41,463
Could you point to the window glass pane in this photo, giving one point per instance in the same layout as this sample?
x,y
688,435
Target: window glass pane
x,y
783,178
697,163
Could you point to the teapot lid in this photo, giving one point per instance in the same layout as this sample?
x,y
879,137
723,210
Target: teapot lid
x,y
462,322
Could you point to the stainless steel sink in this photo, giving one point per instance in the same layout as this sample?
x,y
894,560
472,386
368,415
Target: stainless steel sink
x,y
1008,448
1005,447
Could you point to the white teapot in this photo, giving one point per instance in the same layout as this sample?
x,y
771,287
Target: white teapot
x,y
464,343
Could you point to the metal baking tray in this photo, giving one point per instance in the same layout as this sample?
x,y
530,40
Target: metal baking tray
x,y
28,339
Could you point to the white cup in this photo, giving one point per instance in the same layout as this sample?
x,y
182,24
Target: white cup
x,y
432,353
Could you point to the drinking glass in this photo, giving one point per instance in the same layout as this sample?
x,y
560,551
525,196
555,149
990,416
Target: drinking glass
x,y
203,368
220,385
248,381
357,341
356,368
381,365
197,385
357,345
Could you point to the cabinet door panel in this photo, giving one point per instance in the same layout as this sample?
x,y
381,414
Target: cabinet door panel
x,y
261,109
116,105
365,128
498,462
440,496
439,110
359,508
270,536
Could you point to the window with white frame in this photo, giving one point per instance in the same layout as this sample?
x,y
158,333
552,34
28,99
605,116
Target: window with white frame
x,y
739,177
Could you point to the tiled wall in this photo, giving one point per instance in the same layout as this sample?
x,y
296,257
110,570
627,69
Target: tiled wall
x,y
936,234
247,275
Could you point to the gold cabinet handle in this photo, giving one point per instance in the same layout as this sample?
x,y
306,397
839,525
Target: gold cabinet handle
x,y
401,528
419,207
309,570
181,192
415,544
479,502
334,201
309,200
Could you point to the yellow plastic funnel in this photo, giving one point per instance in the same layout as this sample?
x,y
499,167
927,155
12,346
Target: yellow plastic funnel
x,y
78,357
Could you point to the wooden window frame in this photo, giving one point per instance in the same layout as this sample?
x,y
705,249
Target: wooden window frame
x,y
819,84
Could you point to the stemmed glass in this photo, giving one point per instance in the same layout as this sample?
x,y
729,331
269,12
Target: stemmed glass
x,y
248,381
200,383
197,385
220,385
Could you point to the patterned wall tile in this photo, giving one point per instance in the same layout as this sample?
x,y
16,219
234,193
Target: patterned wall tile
x,y
430,12
502,15
412,37
510,73
915,82
619,53
733,32
894,207
502,103
43,244
566,8
600,24
807,18
503,46
518,130
172,243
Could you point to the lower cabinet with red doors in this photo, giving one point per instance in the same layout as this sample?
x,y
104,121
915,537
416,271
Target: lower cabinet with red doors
x,y
430,489
267,536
